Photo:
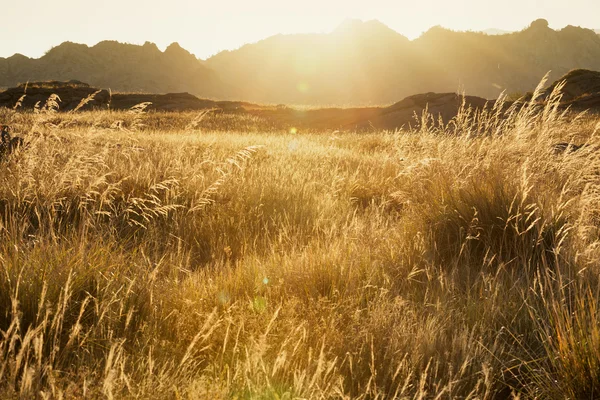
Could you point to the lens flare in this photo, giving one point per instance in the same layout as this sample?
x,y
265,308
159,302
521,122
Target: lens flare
x,y
303,87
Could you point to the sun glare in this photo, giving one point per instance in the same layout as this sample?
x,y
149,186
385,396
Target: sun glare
x,y
303,87
228,25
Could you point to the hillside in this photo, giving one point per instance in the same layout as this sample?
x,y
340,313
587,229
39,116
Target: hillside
x,y
71,94
357,64
580,92
369,63
118,66
401,114
577,84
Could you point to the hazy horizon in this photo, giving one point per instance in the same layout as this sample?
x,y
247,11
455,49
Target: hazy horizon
x,y
205,32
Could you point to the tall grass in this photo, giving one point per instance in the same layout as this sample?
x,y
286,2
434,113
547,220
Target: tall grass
x,y
141,259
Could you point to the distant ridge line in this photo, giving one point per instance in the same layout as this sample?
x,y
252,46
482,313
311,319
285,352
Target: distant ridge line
x,y
359,63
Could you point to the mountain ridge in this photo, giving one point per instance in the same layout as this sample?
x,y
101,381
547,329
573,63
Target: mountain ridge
x,y
120,66
358,63
378,71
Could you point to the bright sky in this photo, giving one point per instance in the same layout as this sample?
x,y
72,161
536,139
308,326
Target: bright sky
x,y
206,27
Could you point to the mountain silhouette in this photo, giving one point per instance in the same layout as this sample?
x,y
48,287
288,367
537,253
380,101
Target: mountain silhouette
x,y
121,67
368,63
357,64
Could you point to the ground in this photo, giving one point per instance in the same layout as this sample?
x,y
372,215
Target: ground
x,y
149,255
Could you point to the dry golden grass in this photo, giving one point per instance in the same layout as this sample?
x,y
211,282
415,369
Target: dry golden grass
x,y
139,259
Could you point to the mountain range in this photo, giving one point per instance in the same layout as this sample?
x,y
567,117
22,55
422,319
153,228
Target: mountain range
x,y
359,63
119,66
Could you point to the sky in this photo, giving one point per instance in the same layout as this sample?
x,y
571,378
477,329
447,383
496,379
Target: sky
x,y
205,27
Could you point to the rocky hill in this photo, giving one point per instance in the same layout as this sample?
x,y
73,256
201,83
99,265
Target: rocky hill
x,y
358,64
369,63
118,66
577,83
401,114
581,91
70,95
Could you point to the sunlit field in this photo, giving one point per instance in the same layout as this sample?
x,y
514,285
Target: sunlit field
x,y
185,256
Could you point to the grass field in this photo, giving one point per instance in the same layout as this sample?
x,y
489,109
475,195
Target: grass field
x,y
171,257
